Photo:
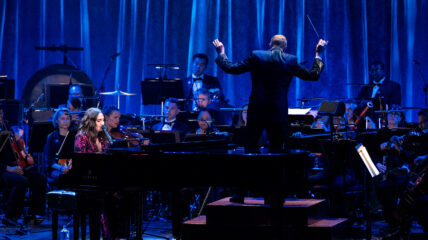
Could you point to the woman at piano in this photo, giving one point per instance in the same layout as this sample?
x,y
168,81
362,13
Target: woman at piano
x,y
90,137
61,121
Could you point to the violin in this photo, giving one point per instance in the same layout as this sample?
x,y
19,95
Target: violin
x,y
25,160
121,133
64,162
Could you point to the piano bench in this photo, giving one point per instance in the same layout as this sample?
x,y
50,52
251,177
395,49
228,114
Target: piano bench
x,y
64,202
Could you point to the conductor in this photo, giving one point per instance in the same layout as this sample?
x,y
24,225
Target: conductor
x,y
271,74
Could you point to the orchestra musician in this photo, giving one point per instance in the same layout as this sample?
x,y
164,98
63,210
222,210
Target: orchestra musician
x,y
55,141
112,119
91,137
205,124
396,119
382,90
271,73
205,103
16,180
76,91
171,123
199,80
397,159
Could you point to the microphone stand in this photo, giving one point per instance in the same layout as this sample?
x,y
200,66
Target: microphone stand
x,y
101,89
425,85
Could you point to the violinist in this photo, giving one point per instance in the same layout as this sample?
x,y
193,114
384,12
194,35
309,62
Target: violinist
x,y
398,156
56,143
15,180
112,119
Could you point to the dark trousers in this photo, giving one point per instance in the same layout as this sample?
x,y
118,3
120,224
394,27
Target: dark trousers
x,y
277,135
388,192
16,187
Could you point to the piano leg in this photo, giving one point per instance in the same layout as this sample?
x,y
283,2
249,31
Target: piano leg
x,y
76,218
139,215
94,224
54,225
82,216
177,214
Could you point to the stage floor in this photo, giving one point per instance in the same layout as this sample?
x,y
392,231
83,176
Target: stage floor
x,y
162,228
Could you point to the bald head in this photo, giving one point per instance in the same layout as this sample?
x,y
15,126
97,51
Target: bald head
x,y
278,41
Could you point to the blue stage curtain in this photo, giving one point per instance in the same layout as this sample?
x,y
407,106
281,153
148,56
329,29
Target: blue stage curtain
x,y
171,31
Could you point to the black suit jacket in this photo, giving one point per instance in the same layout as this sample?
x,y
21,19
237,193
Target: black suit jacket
x,y
389,90
271,74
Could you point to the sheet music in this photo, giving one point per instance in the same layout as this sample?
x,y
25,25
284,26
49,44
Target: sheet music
x,y
364,154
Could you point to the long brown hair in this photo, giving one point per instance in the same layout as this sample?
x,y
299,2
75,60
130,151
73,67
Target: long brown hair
x,y
89,123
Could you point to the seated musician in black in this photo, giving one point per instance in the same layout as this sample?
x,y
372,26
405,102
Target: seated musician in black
x,y
200,80
205,124
396,119
205,103
15,182
171,123
398,156
61,121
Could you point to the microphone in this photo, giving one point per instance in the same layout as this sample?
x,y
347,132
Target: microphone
x,y
416,62
115,55
108,135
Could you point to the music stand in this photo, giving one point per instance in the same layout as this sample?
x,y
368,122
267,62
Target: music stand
x,y
165,137
155,91
192,137
6,150
38,136
7,88
372,169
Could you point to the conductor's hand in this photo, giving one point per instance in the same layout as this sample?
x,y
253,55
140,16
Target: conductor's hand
x,y
218,46
321,46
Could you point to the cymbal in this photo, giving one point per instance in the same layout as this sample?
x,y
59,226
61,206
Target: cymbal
x,y
310,99
414,108
153,116
232,109
117,93
160,66
388,111
352,100
78,112
361,84
197,120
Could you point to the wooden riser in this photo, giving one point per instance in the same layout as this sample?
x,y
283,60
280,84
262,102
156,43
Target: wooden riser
x,y
197,229
296,212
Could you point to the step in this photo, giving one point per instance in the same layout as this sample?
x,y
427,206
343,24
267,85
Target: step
x,y
323,229
297,212
329,228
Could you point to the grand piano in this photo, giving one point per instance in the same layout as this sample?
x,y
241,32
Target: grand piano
x,y
169,169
